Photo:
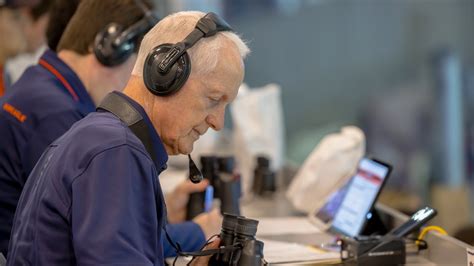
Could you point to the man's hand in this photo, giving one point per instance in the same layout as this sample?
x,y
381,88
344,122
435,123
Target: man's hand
x,y
205,260
177,200
209,222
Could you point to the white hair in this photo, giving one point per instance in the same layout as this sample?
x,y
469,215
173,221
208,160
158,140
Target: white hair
x,y
174,28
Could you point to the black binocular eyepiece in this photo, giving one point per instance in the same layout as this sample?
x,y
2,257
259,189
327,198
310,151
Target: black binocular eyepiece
x,y
239,232
246,227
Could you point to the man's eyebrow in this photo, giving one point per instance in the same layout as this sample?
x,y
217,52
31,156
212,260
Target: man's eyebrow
x,y
222,96
215,91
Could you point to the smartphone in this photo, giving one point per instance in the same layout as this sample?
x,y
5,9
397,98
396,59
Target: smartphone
x,y
416,221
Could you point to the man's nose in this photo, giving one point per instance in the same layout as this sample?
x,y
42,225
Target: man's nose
x,y
216,120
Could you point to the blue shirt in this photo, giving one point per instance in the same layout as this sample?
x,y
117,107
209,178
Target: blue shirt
x,y
93,198
39,108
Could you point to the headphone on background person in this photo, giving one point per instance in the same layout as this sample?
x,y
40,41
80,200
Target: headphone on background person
x,y
115,44
167,66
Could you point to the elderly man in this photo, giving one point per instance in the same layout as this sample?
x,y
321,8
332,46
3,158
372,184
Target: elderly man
x,y
63,88
93,198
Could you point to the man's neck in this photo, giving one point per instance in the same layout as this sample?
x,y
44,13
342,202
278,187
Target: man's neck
x,y
132,91
136,90
80,64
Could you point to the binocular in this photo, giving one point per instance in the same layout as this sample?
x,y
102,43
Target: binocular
x,y
238,241
264,182
220,171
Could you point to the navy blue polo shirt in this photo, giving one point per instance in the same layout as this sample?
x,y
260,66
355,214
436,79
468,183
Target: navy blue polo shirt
x,y
40,107
93,199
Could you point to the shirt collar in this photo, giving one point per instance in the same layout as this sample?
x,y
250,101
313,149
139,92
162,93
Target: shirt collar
x,y
161,157
71,84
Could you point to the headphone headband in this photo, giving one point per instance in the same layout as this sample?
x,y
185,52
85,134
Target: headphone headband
x,y
207,26
211,23
134,31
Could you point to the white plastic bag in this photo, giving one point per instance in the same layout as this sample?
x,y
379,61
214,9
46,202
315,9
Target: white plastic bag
x,y
258,129
327,168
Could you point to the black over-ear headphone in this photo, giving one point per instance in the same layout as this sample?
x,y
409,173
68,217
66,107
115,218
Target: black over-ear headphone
x,y
115,44
167,66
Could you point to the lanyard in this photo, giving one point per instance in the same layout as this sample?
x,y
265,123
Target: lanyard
x,y
60,77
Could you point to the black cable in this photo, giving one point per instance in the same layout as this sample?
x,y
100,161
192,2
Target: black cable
x,y
175,245
201,252
189,263
203,246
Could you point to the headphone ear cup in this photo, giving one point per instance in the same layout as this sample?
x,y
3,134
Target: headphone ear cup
x,y
164,84
107,51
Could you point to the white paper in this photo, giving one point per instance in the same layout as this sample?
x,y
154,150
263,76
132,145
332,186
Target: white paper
x,y
285,225
280,252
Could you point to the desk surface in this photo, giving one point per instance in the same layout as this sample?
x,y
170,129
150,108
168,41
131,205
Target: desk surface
x,y
443,250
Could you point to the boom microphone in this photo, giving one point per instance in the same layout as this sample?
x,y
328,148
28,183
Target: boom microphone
x,y
195,174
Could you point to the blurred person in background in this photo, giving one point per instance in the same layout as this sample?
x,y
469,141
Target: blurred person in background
x,y
61,12
37,18
62,89
13,42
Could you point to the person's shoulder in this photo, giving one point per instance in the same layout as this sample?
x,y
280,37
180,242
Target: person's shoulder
x,y
37,94
99,139
99,132
38,100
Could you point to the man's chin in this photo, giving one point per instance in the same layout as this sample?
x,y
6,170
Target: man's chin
x,y
187,149
171,150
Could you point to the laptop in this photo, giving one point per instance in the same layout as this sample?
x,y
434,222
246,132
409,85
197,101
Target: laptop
x,y
346,210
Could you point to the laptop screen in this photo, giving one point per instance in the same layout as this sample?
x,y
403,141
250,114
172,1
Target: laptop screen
x,y
360,196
